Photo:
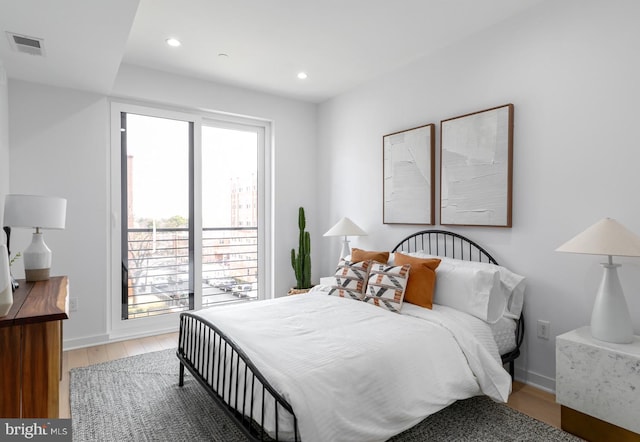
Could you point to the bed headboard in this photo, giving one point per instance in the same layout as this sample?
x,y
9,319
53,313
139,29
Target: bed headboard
x,y
453,245
444,243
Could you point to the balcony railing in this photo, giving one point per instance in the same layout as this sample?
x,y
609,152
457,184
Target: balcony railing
x,y
158,268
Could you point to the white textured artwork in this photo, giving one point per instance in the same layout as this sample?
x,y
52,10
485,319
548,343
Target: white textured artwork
x,y
475,181
408,176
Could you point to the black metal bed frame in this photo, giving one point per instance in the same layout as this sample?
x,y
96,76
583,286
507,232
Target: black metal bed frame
x,y
453,245
229,376
227,373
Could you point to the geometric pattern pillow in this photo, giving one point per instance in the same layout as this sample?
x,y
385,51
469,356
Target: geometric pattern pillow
x,y
351,279
387,285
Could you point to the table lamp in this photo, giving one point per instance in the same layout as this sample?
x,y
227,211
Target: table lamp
x,y
345,227
610,319
37,212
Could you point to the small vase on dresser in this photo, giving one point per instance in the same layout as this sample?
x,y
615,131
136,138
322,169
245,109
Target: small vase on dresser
x,y
6,290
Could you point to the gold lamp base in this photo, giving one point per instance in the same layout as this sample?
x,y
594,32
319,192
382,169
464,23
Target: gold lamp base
x,y
32,275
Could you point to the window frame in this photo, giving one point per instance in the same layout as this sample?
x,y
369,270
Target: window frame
x,y
118,328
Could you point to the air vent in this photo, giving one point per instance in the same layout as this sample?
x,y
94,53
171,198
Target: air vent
x,y
26,44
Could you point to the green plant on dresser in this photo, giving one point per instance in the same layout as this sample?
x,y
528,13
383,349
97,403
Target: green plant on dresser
x,y
301,262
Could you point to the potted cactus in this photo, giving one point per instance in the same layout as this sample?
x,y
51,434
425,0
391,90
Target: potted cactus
x,y
301,262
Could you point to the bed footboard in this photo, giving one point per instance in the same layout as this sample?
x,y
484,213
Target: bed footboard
x,y
230,377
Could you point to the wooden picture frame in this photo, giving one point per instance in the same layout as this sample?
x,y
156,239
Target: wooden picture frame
x,y
476,168
408,176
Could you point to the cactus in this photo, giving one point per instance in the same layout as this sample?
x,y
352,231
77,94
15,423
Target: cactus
x,y
301,262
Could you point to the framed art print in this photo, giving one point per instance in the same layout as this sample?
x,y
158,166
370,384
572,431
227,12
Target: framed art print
x,y
408,176
476,167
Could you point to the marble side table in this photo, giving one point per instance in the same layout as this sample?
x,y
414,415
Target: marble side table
x,y
598,386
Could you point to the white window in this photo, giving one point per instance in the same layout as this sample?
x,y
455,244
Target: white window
x,y
184,236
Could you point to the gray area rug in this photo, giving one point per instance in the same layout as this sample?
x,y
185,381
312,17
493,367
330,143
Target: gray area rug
x,y
138,399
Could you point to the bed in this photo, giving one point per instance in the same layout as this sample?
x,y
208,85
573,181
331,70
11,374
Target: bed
x,y
275,386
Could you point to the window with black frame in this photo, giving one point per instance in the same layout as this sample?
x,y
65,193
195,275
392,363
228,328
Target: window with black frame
x,y
157,215
163,189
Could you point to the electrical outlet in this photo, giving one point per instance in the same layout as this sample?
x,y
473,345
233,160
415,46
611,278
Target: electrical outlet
x,y
73,304
543,329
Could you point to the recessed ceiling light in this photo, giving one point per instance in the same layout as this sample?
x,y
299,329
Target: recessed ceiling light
x,y
302,75
173,42
223,55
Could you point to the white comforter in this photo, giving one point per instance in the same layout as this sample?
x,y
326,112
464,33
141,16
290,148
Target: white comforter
x,y
353,371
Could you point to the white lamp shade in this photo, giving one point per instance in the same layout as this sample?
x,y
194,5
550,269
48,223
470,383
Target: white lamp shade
x,y
345,227
606,237
34,211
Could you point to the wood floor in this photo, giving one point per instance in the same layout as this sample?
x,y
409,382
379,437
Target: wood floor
x,y
524,398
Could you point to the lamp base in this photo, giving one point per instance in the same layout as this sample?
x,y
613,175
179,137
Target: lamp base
x,y
610,319
32,275
346,250
37,259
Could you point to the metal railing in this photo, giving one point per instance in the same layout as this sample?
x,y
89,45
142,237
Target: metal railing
x,y
158,268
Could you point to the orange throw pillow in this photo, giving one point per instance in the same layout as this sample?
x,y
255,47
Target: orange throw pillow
x,y
422,279
358,255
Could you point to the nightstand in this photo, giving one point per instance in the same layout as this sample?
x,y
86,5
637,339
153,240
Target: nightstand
x,y
598,386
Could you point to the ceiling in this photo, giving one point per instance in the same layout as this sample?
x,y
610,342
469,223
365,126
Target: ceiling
x,y
338,43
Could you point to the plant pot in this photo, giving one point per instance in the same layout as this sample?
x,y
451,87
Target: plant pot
x,y
294,291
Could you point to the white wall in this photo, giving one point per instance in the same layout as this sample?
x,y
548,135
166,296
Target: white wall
x,y
571,69
59,145
293,156
4,144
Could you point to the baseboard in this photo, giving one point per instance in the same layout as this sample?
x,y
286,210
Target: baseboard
x,y
140,333
536,380
86,341
90,341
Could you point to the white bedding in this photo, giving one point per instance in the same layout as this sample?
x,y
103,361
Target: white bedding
x,y
504,333
353,371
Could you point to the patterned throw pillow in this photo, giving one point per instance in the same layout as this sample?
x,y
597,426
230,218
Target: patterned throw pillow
x,y
387,285
351,279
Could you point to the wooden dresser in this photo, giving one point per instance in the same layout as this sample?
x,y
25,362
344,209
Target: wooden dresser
x,y
31,349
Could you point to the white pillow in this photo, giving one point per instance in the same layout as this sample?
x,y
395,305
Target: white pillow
x,y
512,284
470,290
